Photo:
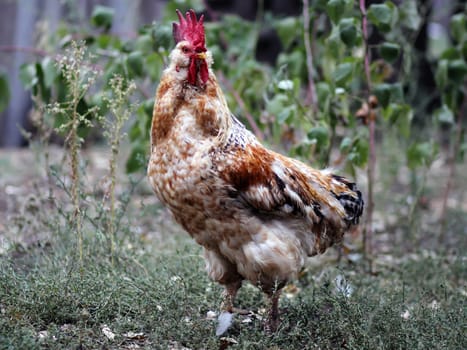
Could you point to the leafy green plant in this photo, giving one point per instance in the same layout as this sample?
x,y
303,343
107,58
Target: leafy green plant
x,y
330,98
451,77
4,92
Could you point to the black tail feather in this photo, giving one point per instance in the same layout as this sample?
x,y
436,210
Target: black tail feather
x,y
352,202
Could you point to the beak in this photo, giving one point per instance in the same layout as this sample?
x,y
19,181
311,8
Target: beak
x,y
201,55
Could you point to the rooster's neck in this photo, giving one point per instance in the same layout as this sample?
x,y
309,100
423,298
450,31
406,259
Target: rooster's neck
x,y
182,110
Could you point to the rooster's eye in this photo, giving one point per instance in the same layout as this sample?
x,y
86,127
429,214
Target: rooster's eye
x,y
185,49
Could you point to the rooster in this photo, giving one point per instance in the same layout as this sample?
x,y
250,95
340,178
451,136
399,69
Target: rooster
x,y
257,214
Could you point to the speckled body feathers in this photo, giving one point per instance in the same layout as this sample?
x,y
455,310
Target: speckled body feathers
x,y
257,214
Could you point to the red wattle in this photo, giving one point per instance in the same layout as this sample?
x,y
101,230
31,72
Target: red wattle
x,y
204,72
192,72
197,65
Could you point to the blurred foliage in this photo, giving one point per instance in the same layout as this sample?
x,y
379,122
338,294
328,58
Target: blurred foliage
x,y
276,95
4,91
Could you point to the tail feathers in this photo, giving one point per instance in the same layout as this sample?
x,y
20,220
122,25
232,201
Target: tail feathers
x,y
351,199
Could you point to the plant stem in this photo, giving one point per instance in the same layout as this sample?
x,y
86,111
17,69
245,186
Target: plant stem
x,y
368,232
75,178
74,143
311,94
113,181
414,204
452,166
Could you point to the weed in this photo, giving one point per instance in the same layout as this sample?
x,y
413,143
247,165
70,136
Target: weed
x,y
121,112
78,78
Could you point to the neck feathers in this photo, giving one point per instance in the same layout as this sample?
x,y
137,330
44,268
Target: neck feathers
x,y
179,103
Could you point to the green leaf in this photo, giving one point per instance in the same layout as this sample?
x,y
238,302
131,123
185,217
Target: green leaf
x,y
387,93
441,75
277,104
103,41
453,97
323,91
137,159
457,70
345,145
97,99
4,92
389,51
319,135
40,86
162,36
383,93
288,29
451,53
381,16
400,115
334,43
348,31
144,43
154,66
28,76
115,67
142,124
444,115
421,154
358,155
462,151
50,71
286,114
397,93
135,132
335,9
102,16
295,62
135,63
343,73
410,17
459,27
148,106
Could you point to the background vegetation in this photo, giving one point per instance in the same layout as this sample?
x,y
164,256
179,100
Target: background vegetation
x,y
89,258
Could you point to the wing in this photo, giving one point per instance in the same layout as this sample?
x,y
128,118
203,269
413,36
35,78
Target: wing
x,y
272,186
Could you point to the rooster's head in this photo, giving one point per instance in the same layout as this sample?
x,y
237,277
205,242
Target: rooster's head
x,y
190,51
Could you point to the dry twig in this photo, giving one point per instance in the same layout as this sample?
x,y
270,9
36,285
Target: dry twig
x,y
368,232
452,165
311,95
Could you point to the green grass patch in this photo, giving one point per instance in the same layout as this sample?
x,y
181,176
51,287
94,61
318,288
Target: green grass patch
x,y
161,301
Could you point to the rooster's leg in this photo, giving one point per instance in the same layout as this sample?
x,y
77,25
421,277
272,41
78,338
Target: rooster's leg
x,y
229,294
272,321
227,309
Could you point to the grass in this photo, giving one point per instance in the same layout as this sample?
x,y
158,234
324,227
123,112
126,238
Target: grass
x,y
159,299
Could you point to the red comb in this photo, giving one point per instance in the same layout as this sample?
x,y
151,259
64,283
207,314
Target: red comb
x,y
189,29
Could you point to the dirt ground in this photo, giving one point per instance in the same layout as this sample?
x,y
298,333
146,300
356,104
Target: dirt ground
x,y
24,189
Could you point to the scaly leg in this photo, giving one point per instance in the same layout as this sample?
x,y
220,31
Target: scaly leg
x,y
225,318
272,322
229,294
